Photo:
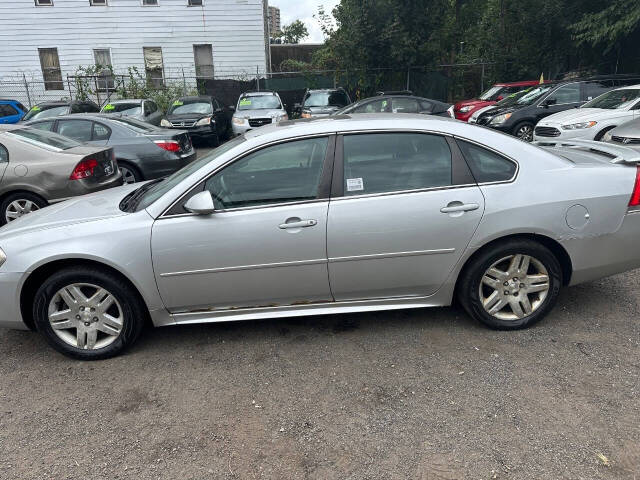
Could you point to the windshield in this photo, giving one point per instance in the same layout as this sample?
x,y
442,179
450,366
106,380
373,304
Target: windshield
x,y
513,98
129,108
326,99
492,94
179,107
135,125
44,139
46,111
533,95
259,102
614,99
159,189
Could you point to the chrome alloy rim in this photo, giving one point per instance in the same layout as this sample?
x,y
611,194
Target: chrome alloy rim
x,y
18,208
127,175
514,287
85,316
525,133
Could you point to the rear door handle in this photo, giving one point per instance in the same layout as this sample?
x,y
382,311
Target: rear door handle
x,y
454,207
299,224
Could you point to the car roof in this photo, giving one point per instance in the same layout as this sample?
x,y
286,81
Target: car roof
x,y
324,89
524,83
197,97
128,100
256,93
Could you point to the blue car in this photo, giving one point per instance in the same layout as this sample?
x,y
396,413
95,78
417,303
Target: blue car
x,y
11,111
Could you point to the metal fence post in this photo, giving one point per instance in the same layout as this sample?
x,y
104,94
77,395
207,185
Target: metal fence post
x,y
482,78
184,83
95,81
26,88
408,77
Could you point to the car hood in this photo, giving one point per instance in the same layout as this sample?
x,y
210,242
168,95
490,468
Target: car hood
x,y
186,116
83,209
261,113
578,115
627,130
472,103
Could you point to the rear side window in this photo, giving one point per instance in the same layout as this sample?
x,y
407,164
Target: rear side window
x,y
79,130
4,154
567,94
486,165
101,132
392,162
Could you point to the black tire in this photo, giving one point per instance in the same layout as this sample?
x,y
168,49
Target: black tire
x,y
133,310
134,173
470,282
523,125
19,196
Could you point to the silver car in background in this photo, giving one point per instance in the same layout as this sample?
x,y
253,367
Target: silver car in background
x,y
141,109
326,216
256,109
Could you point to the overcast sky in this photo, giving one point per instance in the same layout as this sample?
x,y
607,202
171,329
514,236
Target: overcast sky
x,y
304,10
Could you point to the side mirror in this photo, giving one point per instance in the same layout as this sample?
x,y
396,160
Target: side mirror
x,y
549,101
200,204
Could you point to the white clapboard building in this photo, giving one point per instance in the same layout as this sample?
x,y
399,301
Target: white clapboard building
x,y
46,40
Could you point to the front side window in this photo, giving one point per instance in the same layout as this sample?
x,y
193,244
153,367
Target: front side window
x,y
7,111
615,99
492,94
391,162
376,106
288,172
79,130
487,166
50,64
567,94
405,105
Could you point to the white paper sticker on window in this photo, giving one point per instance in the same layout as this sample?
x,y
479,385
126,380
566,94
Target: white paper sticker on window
x,y
354,184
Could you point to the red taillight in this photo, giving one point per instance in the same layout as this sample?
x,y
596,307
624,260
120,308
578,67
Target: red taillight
x,y
169,145
84,169
635,196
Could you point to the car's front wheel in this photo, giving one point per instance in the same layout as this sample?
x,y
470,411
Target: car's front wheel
x,y
19,204
512,285
524,131
87,313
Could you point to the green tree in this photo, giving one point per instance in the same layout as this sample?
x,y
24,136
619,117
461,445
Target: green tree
x,y
608,27
294,32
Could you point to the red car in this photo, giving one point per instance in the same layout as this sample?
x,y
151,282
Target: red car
x,y
463,109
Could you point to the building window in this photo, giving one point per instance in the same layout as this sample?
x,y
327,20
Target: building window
x,y
149,2
44,3
203,57
50,64
104,70
153,65
98,3
195,3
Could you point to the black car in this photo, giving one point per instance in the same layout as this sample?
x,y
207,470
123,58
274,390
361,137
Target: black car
x,y
205,118
143,151
520,117
322,102
61,107
398,103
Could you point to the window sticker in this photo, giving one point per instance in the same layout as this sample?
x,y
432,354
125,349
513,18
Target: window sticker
x,y
354,184
177,103
35,108
109,107
245,102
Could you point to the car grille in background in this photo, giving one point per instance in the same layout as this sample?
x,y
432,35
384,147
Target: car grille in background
x,y
183,124
547,132
258,122
626,140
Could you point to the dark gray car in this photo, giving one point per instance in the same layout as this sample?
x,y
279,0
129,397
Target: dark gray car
x,y
141,109
143,151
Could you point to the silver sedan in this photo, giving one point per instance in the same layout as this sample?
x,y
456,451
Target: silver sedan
x,y
335,215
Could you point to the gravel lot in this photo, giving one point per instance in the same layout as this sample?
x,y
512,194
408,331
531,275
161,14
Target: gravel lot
x,y
406,394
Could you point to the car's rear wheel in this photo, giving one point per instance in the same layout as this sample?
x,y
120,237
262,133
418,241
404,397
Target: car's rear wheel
x,y
129,174
87,313
19,204
524,131
513,285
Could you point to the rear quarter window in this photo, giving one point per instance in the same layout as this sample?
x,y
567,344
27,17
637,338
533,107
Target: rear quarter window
x,y
487,166
4,154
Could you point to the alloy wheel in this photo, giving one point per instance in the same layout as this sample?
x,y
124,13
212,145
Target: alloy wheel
x,y
525,133
18,208
127,175
514,287
85,316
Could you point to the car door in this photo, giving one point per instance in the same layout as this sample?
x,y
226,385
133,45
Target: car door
x,y
402,213
266,243
8,114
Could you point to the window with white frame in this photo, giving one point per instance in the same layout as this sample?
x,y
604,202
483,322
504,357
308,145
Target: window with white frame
x,y
149,2
203,57
104,68
98,3
153,65
44,3
195,3
50,64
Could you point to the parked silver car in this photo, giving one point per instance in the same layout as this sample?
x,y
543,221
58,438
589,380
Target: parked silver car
x,y
627,134
141,109
38,168
256,109
334,215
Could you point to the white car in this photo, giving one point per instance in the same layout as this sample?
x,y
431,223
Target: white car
x,y
593,119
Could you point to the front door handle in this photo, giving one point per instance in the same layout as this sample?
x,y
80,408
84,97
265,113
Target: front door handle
x,y
454,207
299,224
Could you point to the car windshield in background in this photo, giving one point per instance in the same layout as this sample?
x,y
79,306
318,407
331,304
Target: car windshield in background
x,y
513,98
259,102
326,99
159,189
533,95
40,112
135,125
614,99
195,106
44,138
490,94
124,108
